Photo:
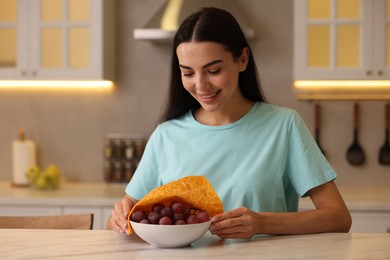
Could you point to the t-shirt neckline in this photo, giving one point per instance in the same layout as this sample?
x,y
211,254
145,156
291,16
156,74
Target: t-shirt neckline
x,y
244,118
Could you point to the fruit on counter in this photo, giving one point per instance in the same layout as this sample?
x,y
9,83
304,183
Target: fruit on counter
x,y
53,175
176,213
50,178
33,173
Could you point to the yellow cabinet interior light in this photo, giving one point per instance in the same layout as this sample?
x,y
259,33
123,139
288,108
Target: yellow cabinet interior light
x,y
342,89
57,84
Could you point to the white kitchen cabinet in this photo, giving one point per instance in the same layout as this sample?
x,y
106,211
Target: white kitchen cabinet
x,y
101,213
56,39
341,40
98,218
106,214
371,222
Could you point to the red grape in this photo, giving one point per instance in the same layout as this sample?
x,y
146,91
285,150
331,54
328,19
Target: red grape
x,y
166,212
186,211
154,218
203,216
137,216
165,221
192,219
178,216
157,207
144,221
180,222
177,207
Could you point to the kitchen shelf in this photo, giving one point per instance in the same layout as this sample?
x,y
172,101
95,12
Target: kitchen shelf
x,y
159,35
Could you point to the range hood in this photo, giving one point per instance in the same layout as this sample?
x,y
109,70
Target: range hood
x,y
164,23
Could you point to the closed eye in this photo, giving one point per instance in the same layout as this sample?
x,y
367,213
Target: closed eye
x,y
188,74
214,71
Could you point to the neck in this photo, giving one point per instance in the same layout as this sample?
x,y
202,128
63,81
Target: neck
x,y
224,116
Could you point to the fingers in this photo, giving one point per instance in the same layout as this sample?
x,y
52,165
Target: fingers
x,y
118,219
237,223
120,213
229,214
127,203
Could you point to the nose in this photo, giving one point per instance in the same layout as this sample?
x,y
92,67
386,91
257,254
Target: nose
x,y
202,83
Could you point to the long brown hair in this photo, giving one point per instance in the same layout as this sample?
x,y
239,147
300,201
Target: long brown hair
x,y
213,25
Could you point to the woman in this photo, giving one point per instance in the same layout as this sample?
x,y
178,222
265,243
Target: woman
x,y
259,157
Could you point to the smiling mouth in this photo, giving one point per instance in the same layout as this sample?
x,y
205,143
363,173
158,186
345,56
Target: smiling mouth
x,y
210,96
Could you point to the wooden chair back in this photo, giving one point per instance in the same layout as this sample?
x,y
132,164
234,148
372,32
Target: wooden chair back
x,y
73,221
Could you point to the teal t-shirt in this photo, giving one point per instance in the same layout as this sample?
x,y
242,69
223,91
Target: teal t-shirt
x,y
264,161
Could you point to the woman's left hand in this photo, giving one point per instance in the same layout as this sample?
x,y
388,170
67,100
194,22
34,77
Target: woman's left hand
x,y
237,223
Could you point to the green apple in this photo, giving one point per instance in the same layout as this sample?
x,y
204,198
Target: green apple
x,y
41,182
53,176
33,173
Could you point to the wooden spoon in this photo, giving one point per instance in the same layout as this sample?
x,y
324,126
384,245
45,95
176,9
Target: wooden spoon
x,y
355,153
317,126
384,152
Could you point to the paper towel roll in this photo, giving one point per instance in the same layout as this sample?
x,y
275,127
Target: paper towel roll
x,y
24,156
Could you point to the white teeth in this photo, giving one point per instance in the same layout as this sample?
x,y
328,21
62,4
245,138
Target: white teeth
x,y
210,96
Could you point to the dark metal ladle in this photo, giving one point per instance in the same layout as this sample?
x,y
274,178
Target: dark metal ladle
x,y
384,152
355,153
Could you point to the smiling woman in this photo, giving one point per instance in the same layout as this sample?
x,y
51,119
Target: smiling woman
x,y
260,158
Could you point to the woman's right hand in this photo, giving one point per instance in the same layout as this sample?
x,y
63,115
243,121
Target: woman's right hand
x,y
120,213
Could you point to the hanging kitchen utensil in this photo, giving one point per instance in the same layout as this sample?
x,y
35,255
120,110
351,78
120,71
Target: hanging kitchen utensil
x,y
384,152
317,126
355,153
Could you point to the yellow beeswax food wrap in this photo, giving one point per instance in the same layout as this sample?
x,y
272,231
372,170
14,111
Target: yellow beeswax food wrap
x,y
194,191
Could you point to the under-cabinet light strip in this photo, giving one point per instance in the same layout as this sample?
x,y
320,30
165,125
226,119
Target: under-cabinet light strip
x,y
57,84
343,97
342,84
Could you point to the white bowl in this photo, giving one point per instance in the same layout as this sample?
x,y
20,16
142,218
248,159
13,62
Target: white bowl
x,y
170,235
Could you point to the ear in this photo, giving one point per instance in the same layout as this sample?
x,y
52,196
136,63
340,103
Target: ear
x,y
244,58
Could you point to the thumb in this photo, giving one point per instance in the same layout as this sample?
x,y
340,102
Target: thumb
x,y
127,205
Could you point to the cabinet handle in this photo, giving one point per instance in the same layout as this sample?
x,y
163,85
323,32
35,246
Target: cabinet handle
x,y
368,72
380,73
34,73
24,73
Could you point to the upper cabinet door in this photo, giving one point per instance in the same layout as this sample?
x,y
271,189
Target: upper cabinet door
x,y
13,54
61,39
381,29
341,39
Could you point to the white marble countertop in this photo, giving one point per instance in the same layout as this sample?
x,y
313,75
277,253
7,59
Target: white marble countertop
x,y
68,193
356,198
106,244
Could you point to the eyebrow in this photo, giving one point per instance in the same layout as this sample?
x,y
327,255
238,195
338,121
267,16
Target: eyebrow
x,y
204,66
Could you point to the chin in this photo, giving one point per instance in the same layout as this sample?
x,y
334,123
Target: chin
x,y
210,108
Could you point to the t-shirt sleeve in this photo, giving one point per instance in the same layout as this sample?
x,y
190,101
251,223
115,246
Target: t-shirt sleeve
x,y
146,176
307,167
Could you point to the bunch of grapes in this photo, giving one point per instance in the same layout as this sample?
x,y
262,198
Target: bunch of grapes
x,y
175,214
